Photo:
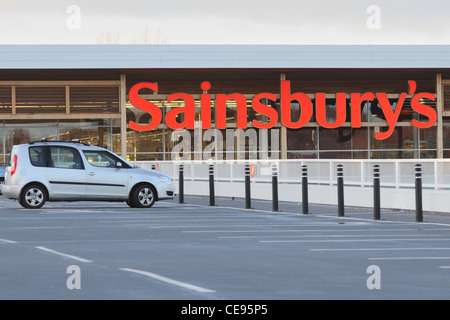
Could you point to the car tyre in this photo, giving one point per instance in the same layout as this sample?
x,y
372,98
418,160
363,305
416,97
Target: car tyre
x,y
33,196
142,196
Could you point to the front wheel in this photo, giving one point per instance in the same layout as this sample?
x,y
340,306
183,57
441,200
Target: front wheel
x,y
33,197
143,196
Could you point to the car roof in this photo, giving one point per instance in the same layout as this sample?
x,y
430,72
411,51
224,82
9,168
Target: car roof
x,y
76,144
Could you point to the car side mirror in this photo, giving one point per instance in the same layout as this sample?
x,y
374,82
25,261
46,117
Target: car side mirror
x,y
119,164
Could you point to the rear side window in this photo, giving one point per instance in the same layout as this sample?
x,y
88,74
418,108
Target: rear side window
x,y
55,157
38,157
66,158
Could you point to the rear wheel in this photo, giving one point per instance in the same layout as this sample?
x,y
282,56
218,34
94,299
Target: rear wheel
x,y
33,196
143,196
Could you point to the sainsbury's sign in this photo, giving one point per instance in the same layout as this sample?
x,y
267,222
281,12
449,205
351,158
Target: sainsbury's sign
x,y
391,112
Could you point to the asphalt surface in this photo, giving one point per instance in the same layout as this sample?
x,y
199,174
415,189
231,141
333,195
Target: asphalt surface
x,y
193,251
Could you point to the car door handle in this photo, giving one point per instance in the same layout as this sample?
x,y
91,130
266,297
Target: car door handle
x,y
91,173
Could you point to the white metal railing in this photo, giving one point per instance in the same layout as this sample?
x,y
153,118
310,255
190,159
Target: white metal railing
x,y
395,173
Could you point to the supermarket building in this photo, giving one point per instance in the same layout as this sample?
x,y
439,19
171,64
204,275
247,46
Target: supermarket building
x,y
63,92
111,95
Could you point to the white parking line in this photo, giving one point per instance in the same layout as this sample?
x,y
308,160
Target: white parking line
x,y
168,280
324,236
356,240
383,221
410,258
64,255
7,241
377,249
53,211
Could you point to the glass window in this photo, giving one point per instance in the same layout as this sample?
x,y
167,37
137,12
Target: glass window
x,y
302,139
3,154
37,156
335,139
19,132
66,158
403,143
176,106
427,138
302,143
95,132
446,98
103,159
446,133
150,143
343,143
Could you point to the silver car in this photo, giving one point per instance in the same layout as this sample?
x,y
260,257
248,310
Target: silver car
x,y
72,171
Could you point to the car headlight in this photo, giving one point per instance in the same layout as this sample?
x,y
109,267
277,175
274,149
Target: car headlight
x,y
165,179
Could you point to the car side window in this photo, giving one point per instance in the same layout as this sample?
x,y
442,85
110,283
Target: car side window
x,y
102,159
65,157
38,156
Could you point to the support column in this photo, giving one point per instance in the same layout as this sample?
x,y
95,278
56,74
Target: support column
x,y
13,99
123,115
440,110
67,88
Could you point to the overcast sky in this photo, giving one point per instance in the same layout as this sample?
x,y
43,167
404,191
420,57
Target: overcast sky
x,y
225,22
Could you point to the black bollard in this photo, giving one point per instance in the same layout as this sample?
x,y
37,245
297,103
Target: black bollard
x,y
181,184
247,187
376,192
212,201
340,191
418,176
305,209
274,188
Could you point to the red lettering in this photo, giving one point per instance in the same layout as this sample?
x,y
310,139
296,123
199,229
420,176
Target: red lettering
x,y
305,106
188,114
341,113
418,106
265,110
241,101
145,105
355,104
390,116
206,105
188,110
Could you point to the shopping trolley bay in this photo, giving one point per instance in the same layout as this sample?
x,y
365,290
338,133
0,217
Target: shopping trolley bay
x,y
195,251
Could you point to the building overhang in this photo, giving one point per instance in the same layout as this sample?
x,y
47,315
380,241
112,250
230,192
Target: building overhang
x,y
142,57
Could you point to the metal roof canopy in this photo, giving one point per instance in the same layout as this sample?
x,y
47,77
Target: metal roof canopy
x,y
58,57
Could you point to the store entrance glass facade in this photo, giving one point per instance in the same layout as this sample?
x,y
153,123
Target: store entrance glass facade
x,y
99,112
163,143
309,142
100,132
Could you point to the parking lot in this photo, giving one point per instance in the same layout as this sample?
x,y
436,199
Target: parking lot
x,y
193,251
